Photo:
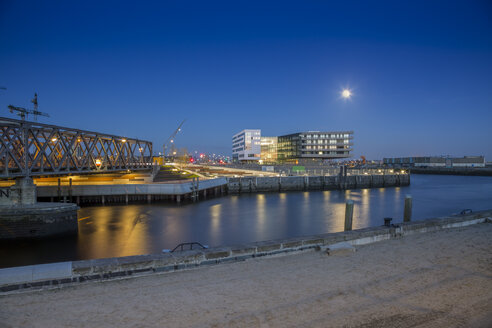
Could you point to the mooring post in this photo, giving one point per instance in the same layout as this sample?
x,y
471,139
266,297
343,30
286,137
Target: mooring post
x,y
59,190
193,190
70,190
349,212
407,214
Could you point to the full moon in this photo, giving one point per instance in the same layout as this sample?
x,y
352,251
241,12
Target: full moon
x,y
346,93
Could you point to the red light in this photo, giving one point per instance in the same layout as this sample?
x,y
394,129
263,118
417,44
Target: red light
x,y
192,160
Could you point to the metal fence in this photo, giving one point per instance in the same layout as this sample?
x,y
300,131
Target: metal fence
x,y
31,148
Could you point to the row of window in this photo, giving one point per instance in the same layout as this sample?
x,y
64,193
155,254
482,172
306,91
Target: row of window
x,y
327,141
325,153
325,147
316,136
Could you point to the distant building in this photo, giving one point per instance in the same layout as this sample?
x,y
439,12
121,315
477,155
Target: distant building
x,y
246,146
314,145
436,161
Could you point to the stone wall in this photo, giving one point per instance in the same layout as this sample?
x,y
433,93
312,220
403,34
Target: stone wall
x,y
262,184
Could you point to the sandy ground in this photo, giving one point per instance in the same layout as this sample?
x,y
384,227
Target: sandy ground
x,y
441,279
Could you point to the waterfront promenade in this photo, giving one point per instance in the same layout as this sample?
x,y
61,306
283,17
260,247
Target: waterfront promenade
x,y
435,279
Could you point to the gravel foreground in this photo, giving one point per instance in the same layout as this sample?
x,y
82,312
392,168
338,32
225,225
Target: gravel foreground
x,y
438,279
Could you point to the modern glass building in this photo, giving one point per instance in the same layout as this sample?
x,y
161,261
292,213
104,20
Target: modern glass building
x,y
268,149
314,145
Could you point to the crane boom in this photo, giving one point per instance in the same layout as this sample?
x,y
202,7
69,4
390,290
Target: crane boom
x,y
171,138
23,112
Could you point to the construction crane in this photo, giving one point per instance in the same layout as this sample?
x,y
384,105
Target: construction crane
x,y
171,139
24,113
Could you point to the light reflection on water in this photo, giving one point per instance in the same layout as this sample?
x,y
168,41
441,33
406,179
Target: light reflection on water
x,y
108,231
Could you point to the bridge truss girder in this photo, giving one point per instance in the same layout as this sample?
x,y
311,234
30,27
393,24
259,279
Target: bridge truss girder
x,y
54,149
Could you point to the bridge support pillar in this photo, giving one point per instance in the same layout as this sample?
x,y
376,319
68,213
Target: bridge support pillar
x,y
178,199
126,199
23,192
102,199
149,199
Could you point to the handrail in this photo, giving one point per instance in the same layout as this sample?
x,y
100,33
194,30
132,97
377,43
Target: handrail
x,y
189,244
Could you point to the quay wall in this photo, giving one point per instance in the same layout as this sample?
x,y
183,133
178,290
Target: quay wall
x,y
56,274
39,220
264,184
125,193
476,171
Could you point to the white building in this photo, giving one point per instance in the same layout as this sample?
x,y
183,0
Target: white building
x,y
246,145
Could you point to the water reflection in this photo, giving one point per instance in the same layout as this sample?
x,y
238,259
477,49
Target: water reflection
x,y
140,229
260,215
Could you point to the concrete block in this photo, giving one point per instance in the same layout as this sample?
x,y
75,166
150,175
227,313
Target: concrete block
x,y
105,265
16,275
268,246
217,253
314,241
139,262
164,260
52,271
292,243
82,267
191,256
243,249
340,249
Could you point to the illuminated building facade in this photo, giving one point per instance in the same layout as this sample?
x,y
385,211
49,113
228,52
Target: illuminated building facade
x,y
246,146
268,149
314,145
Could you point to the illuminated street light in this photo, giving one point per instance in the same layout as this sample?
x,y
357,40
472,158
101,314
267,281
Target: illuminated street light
x,y
123,140
53,139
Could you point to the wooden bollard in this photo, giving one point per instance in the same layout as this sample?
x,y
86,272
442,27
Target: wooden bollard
x,y
407,213
349,213
59,190
70,190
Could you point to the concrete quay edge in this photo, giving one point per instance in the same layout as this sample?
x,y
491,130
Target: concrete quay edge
x,y
65,273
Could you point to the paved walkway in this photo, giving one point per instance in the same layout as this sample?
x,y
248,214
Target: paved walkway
x,y
440,279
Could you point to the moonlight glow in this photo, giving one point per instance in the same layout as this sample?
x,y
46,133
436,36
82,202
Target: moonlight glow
x,y
346,93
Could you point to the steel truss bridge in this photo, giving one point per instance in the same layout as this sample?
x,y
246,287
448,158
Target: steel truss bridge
x,y
35,149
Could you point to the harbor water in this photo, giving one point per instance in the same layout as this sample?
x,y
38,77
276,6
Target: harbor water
x,y
110,231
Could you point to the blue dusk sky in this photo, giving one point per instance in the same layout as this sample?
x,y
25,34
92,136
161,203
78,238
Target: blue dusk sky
x,y
420,71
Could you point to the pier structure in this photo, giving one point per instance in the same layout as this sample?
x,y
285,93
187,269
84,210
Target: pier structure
x,y
197,189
